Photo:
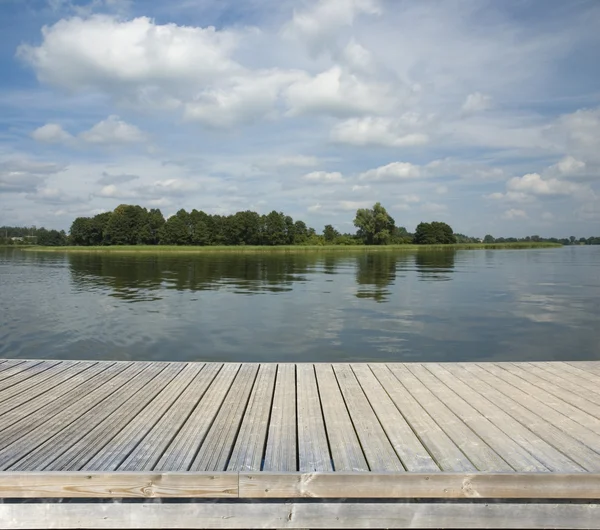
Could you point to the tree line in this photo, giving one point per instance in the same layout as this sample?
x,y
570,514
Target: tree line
x,y
135,225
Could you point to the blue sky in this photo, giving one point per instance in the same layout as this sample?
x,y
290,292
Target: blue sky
x,y
483,114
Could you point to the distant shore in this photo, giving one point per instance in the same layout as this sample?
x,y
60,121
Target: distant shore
x,y
172,249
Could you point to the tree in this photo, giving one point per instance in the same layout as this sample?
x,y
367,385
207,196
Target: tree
x,y
435,233
330,234
488,239
175,230
375,226
275,229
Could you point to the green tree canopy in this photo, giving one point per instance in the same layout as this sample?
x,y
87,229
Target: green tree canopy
x,y
435,233
375,225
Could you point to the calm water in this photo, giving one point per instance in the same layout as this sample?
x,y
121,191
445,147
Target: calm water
x,y
439,306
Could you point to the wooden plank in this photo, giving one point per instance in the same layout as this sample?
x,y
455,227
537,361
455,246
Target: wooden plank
x,y
59,446
359,485
478,438
98,436
281,452
23,445
467,514
376,446
29,385
48,388
251,441
511,376
535,416
408,447
345,448
589,389
579,371
124,442
19,422
61,484
589,366
527,441
180,453
217,447
313,447
572,398
444,451
22,371
148,452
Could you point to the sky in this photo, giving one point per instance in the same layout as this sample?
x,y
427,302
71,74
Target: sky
x,y
484,114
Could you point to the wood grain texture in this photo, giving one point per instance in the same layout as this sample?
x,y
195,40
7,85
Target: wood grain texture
x,y
282,447
300,515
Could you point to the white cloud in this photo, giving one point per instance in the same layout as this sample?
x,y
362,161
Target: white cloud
x,y
358,187
51,133
353,205
392,172
338,93
113,130
104,52
441,189
513,214
314,208
534,184
568,166
318,26
476,102
372,130
547,216
324,176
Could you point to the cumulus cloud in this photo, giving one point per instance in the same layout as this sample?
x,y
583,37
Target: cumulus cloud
x,y
513,214
51,133
108,53
324,176
20,174
534,184
319,24
568,166
392,172
113,130
476,102
338,93
373,130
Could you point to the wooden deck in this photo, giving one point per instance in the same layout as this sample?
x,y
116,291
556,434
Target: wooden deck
x,y
378,445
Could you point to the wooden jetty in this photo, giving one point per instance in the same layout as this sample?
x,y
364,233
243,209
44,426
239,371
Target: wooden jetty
x,y
88,444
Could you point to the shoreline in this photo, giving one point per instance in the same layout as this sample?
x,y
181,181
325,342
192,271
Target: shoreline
x,y
173,249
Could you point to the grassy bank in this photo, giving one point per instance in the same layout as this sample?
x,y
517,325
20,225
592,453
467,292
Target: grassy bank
x,y
290,248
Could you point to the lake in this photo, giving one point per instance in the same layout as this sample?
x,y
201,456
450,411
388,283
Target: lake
x,y
455,305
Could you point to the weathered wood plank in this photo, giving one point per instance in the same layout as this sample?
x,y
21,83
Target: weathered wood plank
x,y
99,440
518,406
528,443
359,485
180,453
28,386
23,371
251,441
408,447
300,515
64,484
572,398
23,445
281,452
154,444
375,444
313,447
345,448
48,388
579,371
58,449
115,450
217,447
580,385
479,439
46,408
445,452
511,376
